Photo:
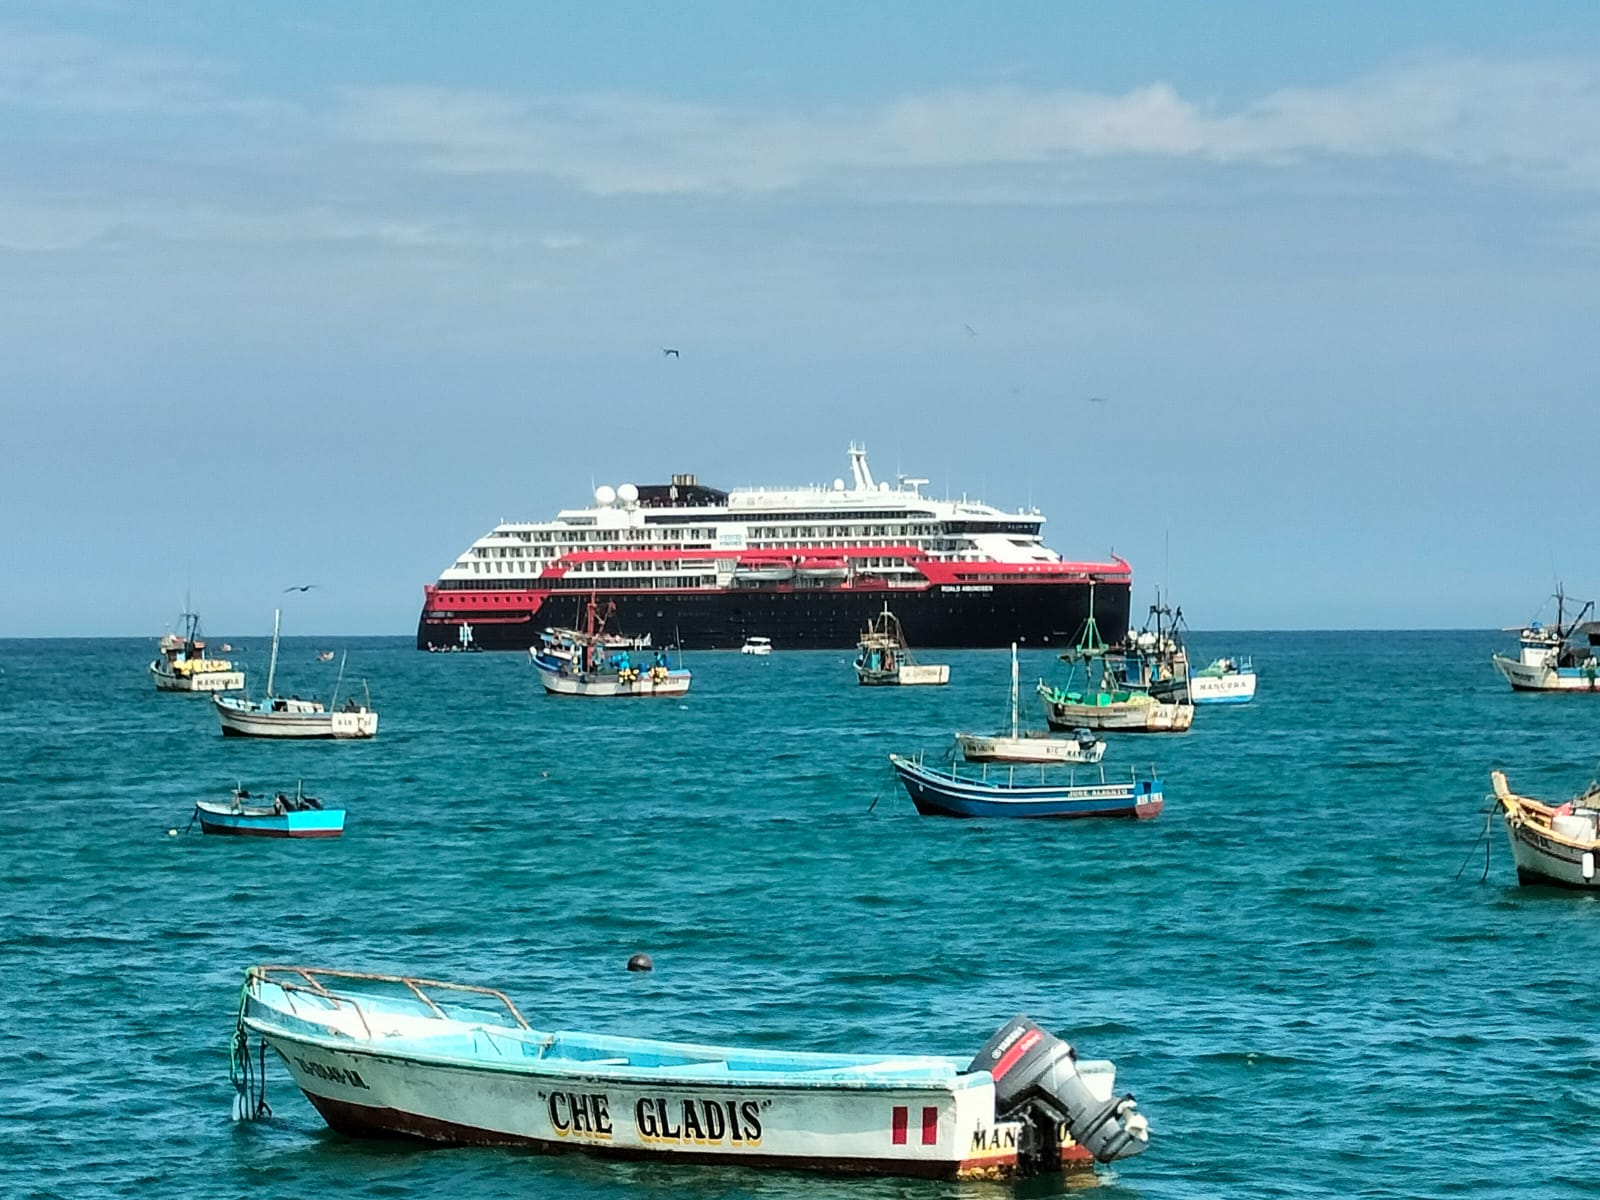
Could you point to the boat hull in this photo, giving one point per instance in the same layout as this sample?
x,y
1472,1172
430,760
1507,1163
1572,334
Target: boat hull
x,y
197,682
1528,677
1153,717
563,683
313,823
937,794
1041,749
240,719
971,616
1224,689
912,675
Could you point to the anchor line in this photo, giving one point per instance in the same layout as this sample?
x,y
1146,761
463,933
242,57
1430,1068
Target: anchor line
x,y
249,1078
1483,837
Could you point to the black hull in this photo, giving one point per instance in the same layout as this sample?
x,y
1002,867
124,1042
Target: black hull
x,y
1030,614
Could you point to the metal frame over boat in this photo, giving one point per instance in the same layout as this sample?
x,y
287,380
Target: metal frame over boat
x,y
1554,845
1013,792
390,1055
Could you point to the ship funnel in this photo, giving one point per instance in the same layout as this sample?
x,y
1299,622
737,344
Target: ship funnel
x,y
859,469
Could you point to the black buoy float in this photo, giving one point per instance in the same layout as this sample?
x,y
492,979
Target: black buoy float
x,y
641,962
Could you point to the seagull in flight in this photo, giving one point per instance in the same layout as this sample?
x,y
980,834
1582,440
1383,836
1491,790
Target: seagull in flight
x,y
1098,400
300,587
669,352
971,332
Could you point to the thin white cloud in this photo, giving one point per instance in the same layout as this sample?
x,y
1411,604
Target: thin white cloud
x,y
1539,115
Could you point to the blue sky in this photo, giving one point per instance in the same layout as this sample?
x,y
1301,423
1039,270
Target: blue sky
x,y
309,292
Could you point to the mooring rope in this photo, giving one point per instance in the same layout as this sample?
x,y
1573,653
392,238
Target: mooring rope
x,y
249,1078
1486,839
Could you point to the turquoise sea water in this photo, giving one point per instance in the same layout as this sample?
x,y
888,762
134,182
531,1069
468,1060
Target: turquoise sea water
x,y
1303,998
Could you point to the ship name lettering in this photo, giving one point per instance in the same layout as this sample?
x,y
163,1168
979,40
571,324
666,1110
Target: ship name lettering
x,y
580,1112
658,1119
988,1139
344,1075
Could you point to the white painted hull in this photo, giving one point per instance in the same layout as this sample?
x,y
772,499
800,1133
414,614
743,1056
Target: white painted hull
x,y
1238,688
1153,717
1542,859
1537,677
239,720
561,684
1039,749
199,681
910,675
944,1132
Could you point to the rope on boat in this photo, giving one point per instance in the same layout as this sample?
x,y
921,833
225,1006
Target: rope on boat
x,y
249,1078
1485,838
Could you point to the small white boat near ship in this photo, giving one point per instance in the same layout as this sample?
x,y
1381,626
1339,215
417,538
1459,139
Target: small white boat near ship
x,y
393,1056
883,658
290,716
1549,660
1555,845
1029,745
1224,681
756,645
184,667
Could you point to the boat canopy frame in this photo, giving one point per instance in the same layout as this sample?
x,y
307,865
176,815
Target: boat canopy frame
x,y
291,979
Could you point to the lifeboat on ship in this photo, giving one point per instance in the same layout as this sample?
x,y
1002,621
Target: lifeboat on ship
x,y
764,571
822,570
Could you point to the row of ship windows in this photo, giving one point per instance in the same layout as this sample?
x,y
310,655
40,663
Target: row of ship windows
x,y
855,530
594,568
935,547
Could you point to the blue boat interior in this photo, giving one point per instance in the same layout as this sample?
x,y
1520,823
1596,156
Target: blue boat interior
x,y
468,1027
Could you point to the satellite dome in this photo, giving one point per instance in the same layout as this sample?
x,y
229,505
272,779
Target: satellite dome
x,y
604,496
627,493
838,485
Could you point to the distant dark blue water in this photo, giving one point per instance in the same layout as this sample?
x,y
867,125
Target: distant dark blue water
x,y
1283,966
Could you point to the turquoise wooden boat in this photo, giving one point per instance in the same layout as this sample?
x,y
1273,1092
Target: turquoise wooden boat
x,y
282,816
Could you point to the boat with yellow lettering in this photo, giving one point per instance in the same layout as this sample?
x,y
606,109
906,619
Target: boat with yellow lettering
x,y
394,1056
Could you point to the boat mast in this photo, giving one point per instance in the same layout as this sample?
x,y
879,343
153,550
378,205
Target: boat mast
x,y
1013,691
333,698
272,665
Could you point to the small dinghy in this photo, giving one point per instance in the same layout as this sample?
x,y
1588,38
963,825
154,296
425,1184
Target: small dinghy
x,y
392,1056
1022,792
283,816
1553,845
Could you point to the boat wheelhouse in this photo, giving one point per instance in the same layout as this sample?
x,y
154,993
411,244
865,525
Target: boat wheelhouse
x,y
697,566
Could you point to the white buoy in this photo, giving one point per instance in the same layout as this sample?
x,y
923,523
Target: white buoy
x,y
172,833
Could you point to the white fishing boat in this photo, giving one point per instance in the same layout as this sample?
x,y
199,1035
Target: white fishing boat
x,y
388,1056
291,717
1224,681
883,658
183,665
1549,661
756,645
592,662
1552,845
1029,745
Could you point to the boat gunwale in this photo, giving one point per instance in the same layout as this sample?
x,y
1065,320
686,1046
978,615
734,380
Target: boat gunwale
x,y
1534,814
984,789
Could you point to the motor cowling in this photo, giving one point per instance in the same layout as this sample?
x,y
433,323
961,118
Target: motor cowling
x,y
1036,1082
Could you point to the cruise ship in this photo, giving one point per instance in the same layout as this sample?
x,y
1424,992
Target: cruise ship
x,y
689,565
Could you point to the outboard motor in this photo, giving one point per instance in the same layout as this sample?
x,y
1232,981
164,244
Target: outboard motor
x,y
1036,1082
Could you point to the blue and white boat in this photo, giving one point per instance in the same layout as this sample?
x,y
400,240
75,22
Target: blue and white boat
x,y
283,816
1551,660
393,1056
1224,681
1022,792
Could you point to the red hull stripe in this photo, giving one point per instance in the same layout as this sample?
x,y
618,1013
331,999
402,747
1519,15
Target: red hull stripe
x,y
1009,1059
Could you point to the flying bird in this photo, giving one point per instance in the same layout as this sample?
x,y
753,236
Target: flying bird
x,y
971,332
669,352
300,587
1098,400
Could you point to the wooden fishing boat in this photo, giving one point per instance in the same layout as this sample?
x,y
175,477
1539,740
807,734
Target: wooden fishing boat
x,y
283,816
1549,661
1097,697
290,716
1023,792
1553,845
183,665
883,658
388,1056
1032,745
593,662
